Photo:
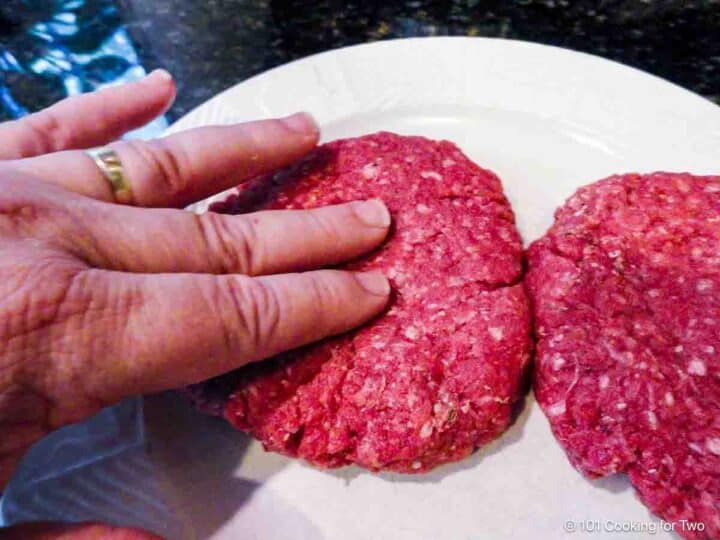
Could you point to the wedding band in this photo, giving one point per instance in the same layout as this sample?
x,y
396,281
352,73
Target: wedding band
x,y
111,167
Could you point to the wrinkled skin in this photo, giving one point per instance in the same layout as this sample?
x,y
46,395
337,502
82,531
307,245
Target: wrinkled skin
x,y
100,301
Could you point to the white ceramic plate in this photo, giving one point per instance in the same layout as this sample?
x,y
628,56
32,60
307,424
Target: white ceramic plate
x,y
547,120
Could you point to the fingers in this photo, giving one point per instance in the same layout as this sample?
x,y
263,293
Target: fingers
x,y
80,531
185,167
168,330
88,120
148,241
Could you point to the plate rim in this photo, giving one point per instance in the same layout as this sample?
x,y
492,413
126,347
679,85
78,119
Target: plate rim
x,y
682,92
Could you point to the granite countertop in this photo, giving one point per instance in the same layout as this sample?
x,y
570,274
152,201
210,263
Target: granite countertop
x,y
215,44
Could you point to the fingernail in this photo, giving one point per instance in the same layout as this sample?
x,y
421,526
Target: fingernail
x,y
373,213
301,122
160,75
374,283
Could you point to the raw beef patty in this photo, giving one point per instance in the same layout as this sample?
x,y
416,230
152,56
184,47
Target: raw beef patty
x,y
435,376
626,294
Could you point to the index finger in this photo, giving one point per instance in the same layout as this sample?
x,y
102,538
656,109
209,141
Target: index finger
x,y
89,119
185,167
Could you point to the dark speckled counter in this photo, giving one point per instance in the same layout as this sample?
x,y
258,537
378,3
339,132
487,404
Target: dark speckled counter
x,y
211,45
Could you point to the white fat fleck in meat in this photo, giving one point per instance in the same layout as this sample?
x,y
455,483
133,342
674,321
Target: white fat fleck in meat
x,y
712,188
704,285
506,235
422,209
426,429
713,445
370,170
416,465
556,409
440,313
697,367
621,406
496,332
682,185
558,362
652,419
696,447
603,381
653,293
657,258
412,400
678,349
431,174
412,333
447,162
463,318
669,399
623,358
709,349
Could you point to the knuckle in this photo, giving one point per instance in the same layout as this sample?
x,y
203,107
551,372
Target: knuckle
x,y
168,167
31,210
232,242
48,132
17,217
257,315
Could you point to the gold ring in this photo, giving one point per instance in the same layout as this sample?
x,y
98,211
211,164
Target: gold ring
x,y
111,167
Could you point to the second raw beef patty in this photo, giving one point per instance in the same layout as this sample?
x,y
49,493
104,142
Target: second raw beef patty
x,y
626,293
434,377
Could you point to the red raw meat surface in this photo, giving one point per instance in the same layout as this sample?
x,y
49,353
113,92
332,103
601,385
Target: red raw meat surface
x,y
437,375
626,295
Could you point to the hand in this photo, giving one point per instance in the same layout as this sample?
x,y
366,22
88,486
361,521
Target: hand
x,y
99,301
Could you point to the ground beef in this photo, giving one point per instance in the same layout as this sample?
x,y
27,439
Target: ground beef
x,y
435,376
626,296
